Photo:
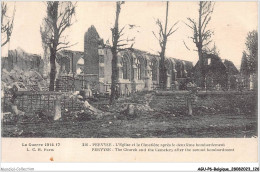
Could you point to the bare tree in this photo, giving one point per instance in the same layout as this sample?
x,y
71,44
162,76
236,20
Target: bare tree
x,y
201,34
6,24
59,18
162,37
118,44
211,50
44,30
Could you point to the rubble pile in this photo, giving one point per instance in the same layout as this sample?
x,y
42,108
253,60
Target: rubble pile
x,y
84,112
130,108
31,79
78,116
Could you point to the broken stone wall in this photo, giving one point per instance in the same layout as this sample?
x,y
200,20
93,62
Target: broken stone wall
x,y
212,102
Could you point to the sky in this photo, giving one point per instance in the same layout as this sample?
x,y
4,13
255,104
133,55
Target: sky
x,y
231,21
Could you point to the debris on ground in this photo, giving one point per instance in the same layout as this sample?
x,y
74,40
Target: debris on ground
x,y
129,117
16,111
204,109
78,116
9,118
129,112
31,79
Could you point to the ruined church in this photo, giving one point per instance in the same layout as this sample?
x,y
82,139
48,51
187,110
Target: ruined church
x,y
138,70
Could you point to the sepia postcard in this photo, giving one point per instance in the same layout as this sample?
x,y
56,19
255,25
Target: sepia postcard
x,y
125,81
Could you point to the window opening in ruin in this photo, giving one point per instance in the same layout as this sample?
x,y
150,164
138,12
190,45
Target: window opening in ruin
x,y
124,65
154,71
138,69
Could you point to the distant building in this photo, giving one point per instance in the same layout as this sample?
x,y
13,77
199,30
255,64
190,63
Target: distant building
x,y
70,62
18,58
218,72
138,70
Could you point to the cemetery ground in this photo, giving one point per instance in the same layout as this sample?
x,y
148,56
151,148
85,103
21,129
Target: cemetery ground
x,y
155,115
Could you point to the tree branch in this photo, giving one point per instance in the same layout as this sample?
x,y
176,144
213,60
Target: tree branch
x,y
58,49
186,45
172,31
6,24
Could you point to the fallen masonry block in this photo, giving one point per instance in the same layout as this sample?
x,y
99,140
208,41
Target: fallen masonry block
x,y
16,111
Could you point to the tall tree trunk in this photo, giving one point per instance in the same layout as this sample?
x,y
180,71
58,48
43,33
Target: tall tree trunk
x,y
115,37
162,69
199,46
114,76
53,70
55,43
201,67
